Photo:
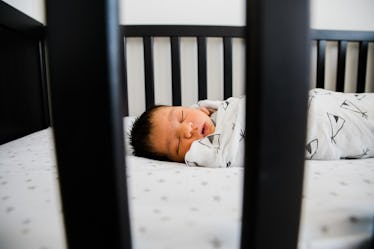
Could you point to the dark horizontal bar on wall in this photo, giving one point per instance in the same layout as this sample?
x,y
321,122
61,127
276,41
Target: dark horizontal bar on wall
x,y
335,35
182,30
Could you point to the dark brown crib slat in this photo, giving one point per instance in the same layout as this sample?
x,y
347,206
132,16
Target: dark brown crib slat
x,y
227,67
321,50
123,61
176,70
362,61
43,78
342,51
202,69
149,71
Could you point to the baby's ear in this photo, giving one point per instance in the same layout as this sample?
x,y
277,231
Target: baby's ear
x,y
206,110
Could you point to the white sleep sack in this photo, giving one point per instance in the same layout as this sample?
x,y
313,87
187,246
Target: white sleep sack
x,y
340,125
225,147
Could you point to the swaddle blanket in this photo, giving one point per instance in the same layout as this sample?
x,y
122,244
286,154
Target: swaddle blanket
x,y
224,148
340,125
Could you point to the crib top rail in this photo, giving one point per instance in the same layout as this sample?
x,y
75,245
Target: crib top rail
x,y
182,30
227,33
175,32
342,37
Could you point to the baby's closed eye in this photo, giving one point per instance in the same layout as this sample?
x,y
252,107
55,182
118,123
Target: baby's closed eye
x,y
182,116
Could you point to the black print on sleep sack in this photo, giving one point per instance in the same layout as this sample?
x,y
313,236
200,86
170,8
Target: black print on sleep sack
x,y
212,142
315,94
192,164
242,135
310,101
336,124
312,148
359,156
348,105
359,96
225,104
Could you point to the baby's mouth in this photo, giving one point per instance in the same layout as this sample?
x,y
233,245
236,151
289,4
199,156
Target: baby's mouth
x,y
205,130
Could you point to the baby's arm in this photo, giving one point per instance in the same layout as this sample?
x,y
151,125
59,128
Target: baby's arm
x,y
208,106
209,111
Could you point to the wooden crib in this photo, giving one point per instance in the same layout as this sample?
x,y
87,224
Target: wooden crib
x,y
81,88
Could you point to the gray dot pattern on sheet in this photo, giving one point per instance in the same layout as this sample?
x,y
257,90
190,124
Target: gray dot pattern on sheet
x,y
337,200
201,207
29,202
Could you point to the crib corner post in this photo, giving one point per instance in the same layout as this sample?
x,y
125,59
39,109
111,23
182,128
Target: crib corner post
x,y
277,67
86,101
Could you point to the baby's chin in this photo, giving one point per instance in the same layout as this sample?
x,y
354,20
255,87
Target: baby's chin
x,y
211,130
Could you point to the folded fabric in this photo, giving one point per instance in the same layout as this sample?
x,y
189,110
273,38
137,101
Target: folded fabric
x,y
340,125
224,148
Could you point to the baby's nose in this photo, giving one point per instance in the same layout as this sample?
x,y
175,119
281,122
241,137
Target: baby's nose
x,y
187,130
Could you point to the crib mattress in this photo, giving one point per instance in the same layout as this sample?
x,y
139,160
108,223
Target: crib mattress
x,y
174,206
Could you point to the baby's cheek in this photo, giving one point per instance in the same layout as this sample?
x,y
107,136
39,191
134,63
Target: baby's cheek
x,y
188,146
212,129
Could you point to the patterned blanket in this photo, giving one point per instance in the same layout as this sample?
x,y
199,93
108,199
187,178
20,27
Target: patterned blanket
x,y
340,126
225,147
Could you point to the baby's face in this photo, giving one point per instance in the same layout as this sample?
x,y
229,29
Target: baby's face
x,y
174,128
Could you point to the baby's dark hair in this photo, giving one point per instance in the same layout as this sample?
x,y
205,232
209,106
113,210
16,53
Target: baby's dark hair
x,y
140,136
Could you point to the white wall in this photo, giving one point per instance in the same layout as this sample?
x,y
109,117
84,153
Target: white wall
x,y
325,14
342,14
208,12
33,8
192,12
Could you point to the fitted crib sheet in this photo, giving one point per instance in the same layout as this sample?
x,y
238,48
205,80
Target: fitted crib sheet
x,y
175,206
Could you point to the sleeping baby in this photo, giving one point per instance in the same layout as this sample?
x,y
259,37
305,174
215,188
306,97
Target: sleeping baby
x,y
167,132
212,133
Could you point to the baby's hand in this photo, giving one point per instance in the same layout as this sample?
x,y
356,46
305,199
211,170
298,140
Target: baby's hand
x,y
209,111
